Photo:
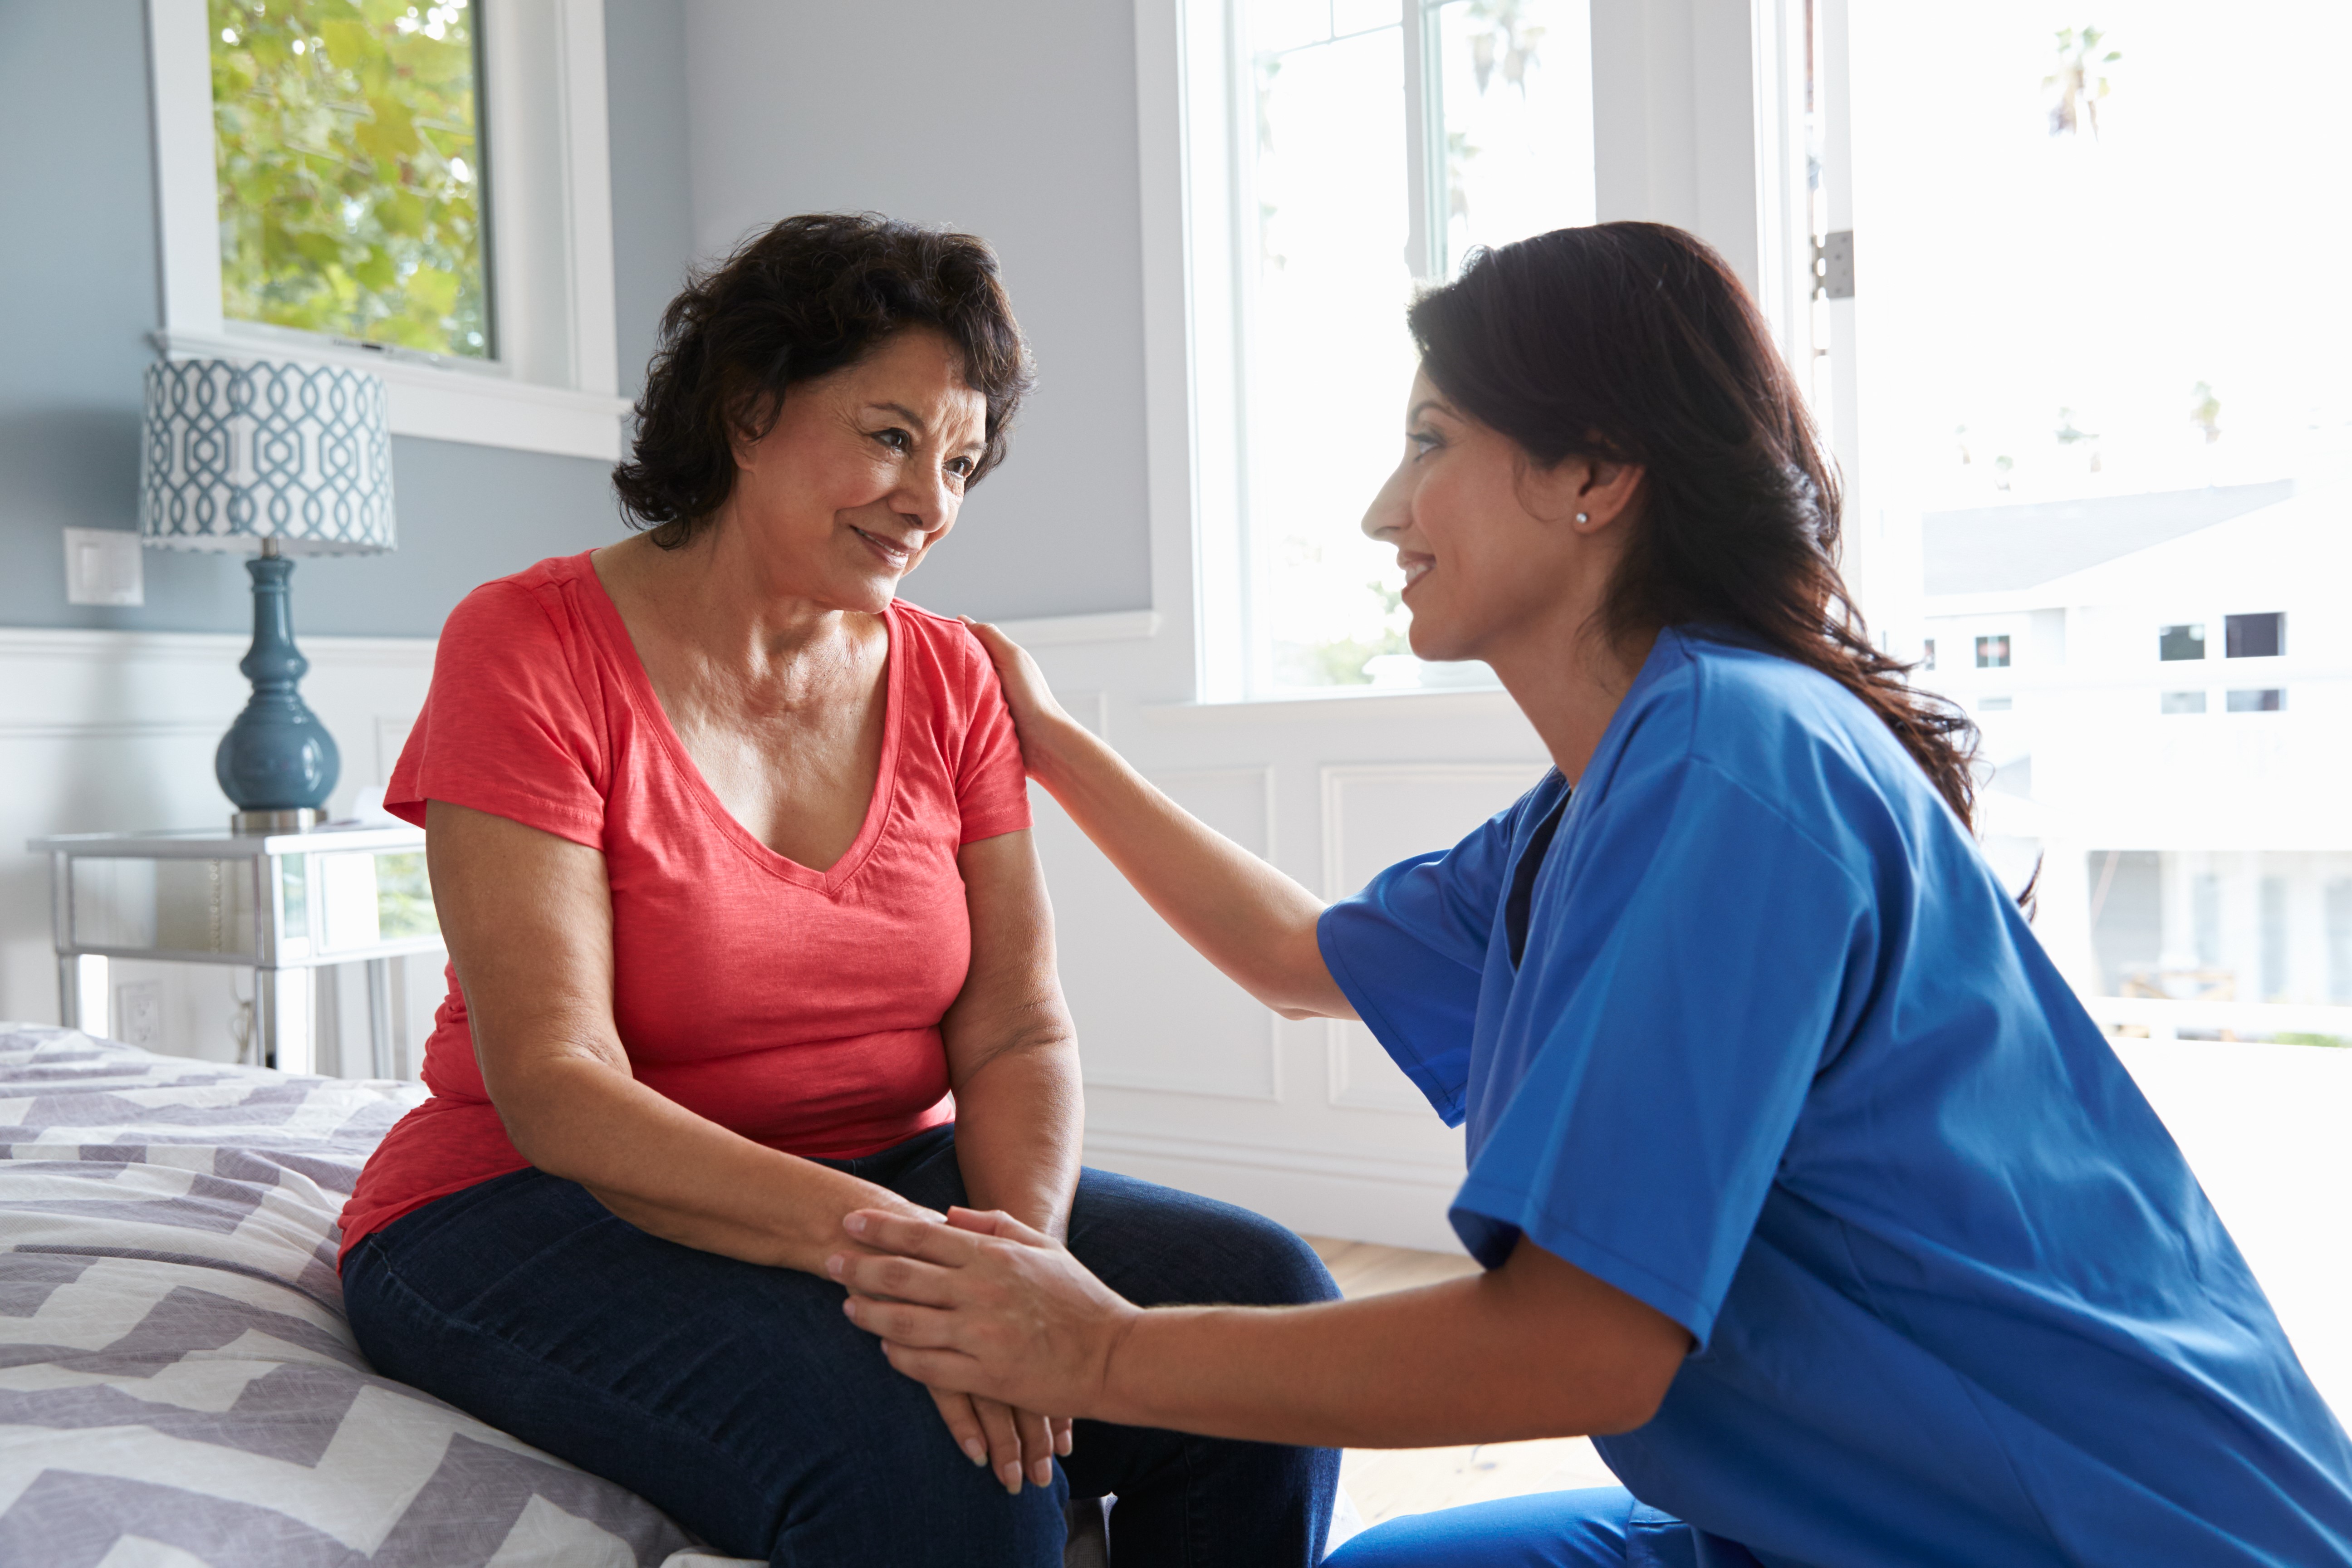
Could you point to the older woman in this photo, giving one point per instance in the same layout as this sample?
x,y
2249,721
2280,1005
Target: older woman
x,y
745,934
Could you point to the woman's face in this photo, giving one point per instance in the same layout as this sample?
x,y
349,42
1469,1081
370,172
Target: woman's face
x,y
1492,546
861,474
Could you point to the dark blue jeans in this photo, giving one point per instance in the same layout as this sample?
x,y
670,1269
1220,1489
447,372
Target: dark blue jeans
x,y
740,1401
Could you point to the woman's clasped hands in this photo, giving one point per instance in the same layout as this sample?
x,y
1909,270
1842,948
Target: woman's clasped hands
x,y
984,1305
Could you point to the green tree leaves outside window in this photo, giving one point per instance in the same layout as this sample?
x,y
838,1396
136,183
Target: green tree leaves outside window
x,y
348,157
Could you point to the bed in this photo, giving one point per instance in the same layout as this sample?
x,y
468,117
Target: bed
x,y
178,1384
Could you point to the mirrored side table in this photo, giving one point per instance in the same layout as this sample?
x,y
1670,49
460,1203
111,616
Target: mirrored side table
x,y
281,904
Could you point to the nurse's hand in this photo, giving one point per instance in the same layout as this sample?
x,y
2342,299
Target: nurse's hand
x,y
983,1305
1043,723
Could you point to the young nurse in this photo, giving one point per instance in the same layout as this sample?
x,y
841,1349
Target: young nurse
x,y
1802,1180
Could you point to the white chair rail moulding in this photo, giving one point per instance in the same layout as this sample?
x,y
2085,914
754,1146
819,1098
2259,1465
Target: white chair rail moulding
x,y
554,385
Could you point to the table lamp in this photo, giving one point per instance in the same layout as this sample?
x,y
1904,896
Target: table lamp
x,y
278,460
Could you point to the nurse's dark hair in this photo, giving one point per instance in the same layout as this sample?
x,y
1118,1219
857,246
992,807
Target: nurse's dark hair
x,y
1634,342
797,301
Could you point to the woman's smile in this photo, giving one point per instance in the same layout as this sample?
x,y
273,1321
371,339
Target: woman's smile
x,y
1415,566
899,556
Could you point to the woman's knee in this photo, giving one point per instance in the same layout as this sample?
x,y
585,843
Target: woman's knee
x,y
1160,1246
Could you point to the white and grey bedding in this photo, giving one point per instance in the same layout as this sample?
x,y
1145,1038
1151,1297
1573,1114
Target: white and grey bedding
x,y
177,1384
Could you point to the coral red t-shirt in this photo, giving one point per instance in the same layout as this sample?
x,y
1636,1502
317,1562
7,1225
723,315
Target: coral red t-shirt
x,y
799,1008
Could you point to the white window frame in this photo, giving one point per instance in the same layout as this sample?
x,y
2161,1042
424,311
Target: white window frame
x,y
554,384
1693,124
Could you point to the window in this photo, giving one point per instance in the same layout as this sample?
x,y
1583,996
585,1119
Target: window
x,y
2256,636
1378,142
348,156
325,193
2339,940
2274,939
1992,653
2115,437
2180,642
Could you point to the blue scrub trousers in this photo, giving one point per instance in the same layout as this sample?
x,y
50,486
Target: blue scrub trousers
x,y
740,1401
1599,1527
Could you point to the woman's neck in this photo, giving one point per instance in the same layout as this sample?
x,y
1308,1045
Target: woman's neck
x,y
1567,678
714,600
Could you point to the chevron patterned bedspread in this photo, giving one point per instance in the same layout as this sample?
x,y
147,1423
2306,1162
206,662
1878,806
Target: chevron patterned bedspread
x,y
177,1385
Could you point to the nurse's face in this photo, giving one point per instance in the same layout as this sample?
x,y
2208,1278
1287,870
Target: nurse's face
x,y
1494,549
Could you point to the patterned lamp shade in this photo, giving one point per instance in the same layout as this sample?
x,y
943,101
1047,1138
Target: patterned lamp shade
x,y
237,451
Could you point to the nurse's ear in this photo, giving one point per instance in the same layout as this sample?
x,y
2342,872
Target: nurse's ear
x,y
1587,494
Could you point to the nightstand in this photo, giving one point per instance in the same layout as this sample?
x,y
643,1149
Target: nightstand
x,y
280,904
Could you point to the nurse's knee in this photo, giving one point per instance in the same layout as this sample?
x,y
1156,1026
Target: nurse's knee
x,y
1583,1528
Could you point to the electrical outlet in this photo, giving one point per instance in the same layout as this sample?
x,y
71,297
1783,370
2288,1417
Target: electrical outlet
x,y
103,566
139,1014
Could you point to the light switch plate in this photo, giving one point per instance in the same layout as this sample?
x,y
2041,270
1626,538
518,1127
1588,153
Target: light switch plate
x,y
104,566
139,1012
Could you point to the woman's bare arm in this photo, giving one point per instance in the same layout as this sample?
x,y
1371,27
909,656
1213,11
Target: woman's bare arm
x,y
1241,914
529,921
1012,1058
1536,1348
1012,1054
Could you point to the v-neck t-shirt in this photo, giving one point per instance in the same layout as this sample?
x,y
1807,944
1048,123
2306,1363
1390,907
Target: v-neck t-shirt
x,y
1744,1026
799,1008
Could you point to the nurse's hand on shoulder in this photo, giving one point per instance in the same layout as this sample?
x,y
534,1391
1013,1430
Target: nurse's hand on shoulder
x,y
983,1305
1041,721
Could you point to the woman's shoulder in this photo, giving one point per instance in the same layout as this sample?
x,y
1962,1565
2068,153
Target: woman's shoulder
x,y
943,653
535,606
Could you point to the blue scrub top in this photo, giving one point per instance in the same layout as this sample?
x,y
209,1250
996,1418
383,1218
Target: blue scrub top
x,y
1745,1028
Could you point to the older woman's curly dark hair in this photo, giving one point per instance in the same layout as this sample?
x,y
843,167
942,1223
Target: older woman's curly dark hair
x,y
805,298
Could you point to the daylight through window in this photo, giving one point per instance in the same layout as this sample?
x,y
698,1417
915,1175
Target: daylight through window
x,y
2137,465
349,159
1380,143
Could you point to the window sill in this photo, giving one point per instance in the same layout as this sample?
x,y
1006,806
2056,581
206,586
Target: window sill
x,y
480,408
1343,704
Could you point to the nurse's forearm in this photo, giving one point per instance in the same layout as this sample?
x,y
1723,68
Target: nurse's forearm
x,y
1018,1125
1527,1351
1240,913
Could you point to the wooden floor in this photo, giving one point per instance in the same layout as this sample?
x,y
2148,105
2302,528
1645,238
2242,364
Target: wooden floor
x,y
1385,1482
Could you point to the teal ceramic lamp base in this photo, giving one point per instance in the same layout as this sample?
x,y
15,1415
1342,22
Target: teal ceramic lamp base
x,y
276,763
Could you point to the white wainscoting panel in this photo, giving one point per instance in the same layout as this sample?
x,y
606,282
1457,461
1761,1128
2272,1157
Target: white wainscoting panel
x,y
1152,1013
1375,815
111,731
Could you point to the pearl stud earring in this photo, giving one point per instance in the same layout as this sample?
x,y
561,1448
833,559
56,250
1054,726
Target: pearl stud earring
x,y
1584,517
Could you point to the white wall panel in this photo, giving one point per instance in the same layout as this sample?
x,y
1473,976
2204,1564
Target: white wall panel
x,y
1375,815
1151,1013
114,731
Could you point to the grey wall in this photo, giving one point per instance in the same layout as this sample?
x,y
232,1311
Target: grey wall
x,y
79,271
653,201
1014,122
